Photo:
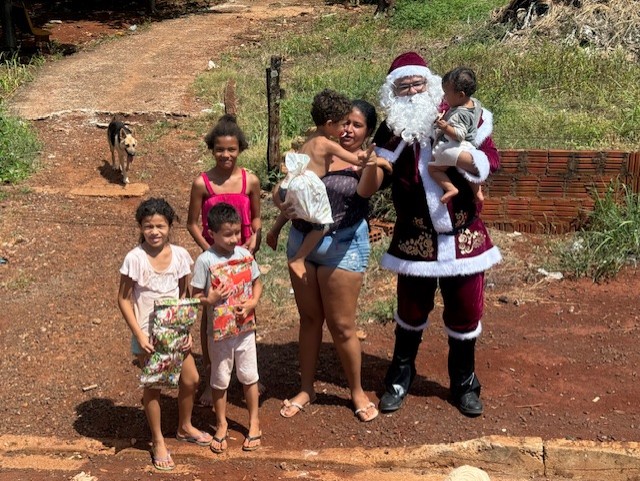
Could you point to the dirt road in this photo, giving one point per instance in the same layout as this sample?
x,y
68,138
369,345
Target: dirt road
x,y
152,69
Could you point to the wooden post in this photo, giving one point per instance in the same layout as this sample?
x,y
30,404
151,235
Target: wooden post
x,y
230,99
274,94
9,33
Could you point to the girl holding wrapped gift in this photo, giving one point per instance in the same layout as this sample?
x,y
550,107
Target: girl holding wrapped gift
x,y
153,271
226,279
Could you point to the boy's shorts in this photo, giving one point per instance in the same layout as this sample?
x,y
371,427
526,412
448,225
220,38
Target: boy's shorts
x,y
222,354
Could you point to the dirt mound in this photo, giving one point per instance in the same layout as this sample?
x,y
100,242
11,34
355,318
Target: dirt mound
x,y
603,25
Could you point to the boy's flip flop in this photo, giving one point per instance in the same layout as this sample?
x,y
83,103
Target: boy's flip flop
x,y
219,450
203,439
246,446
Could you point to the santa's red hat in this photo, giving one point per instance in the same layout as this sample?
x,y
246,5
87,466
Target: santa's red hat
x,y
407,64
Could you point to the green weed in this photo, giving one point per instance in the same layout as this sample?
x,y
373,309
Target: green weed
x,y
441,17
610,240
381,310
13,73
157,130
18,148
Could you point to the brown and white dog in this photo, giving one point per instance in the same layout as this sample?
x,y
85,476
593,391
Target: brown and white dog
x,y
121,139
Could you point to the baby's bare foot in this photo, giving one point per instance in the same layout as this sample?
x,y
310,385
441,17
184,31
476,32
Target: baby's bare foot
x,y
448,195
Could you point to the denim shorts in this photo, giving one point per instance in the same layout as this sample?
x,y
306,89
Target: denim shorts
x,y
347,249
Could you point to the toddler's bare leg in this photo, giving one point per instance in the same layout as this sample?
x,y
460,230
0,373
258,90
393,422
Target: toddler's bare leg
x,y
274,232
438,173
477,191
296,263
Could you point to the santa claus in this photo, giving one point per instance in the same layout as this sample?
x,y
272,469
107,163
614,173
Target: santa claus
x,y
433,244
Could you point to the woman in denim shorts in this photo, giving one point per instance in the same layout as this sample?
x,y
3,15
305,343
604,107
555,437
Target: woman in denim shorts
x,y
335,270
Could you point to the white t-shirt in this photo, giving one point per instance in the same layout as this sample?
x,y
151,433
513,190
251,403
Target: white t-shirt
x,y
150,285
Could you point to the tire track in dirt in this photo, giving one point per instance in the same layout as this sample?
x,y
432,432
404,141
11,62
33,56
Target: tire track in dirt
x,y
150,71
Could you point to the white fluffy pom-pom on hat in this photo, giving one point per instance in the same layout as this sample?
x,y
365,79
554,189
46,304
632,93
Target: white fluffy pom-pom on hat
x,y
407,64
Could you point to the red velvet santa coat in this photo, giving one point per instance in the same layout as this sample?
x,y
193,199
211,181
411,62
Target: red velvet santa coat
x,y
431,239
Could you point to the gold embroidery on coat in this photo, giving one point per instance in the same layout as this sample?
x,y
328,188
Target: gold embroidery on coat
x,y
469,241
419,223
461,218
422,246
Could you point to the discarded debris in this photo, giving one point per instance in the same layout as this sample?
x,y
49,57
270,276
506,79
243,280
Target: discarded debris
x,y
82,476
550,275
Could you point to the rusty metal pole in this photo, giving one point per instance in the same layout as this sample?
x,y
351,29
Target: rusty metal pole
x,y
274,95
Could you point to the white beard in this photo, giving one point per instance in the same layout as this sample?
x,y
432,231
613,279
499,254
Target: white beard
x,y
412,118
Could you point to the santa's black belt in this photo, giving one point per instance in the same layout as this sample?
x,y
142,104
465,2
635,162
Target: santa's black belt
x,y
457,229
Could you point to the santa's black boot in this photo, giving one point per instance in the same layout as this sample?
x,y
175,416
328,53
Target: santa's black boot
x,y
402,369
465,387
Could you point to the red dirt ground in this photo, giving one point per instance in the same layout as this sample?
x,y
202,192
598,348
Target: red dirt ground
x,y
557,359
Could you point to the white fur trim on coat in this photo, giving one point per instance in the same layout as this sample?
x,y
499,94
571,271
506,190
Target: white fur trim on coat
x,y
448,267
408,71
390,155
481,162
408,327
485,130
438,211
464,336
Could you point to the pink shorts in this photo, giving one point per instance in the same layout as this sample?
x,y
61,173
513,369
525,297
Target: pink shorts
x,y
242,350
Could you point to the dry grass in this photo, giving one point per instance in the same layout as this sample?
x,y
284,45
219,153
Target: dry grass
x,y
516,278
605,25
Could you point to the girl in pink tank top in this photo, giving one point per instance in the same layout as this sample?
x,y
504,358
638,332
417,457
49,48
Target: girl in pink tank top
x,y
240,200
225,182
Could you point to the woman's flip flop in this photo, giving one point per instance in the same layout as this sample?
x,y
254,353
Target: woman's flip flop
x,y
362,415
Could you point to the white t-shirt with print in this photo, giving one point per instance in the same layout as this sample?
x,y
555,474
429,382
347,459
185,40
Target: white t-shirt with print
x,y
150,285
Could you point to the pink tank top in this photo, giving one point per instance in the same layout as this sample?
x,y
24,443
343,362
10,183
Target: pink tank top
x,y
239,200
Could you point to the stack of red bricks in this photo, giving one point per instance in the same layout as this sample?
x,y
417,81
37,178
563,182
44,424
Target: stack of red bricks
x,y
378,229
552,191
